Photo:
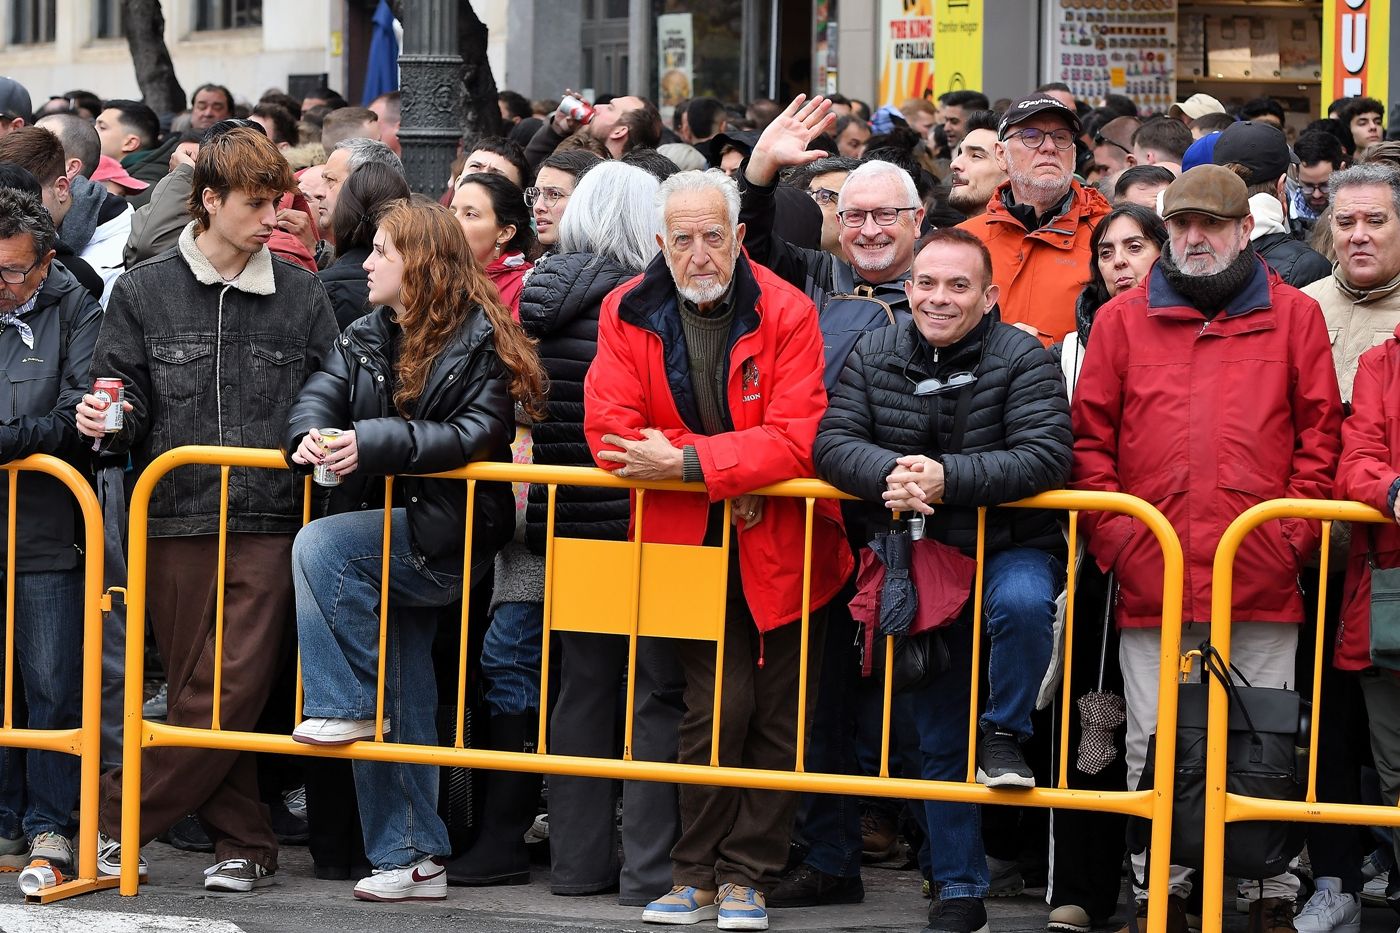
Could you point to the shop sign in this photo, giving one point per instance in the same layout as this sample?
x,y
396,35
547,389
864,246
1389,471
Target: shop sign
x,y
906,50
1355,44
958,46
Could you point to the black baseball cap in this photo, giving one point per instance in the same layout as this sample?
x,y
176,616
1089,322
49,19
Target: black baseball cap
x,y
1258,146
1034,106
15,100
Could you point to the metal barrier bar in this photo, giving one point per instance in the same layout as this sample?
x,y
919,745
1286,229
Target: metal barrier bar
x,y
215,719
84,741
1067,660
465,632
1154,805
1222,807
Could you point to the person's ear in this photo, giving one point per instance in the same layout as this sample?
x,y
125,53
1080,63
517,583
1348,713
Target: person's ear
x,y
132,143
739,232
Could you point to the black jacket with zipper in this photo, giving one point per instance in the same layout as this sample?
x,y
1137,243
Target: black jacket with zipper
x,y
465,414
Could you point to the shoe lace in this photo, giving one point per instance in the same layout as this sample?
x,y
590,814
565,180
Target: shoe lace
x,y
1002,747
1323,902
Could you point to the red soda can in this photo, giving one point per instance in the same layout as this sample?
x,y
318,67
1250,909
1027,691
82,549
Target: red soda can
x,y
111,391
580,111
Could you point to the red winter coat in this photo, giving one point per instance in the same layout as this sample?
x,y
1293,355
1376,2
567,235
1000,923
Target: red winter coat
x,y
1370,464
1204,419
640,378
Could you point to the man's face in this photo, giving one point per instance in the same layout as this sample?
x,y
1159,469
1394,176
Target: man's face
x,y
1365,234
209,107
606,116
921,123
17,256
700,245
976,173
730,161
879,253
388,128
1312,179
1112,158
851,142
954,124
1366,129
244,220
333,175
824,189
117,140
947,294
1205,245
1144,193
555,187
492,163
312,185
1041,172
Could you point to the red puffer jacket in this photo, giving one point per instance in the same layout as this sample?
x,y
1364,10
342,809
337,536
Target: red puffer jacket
x,y
1203,419
1370,464
640,379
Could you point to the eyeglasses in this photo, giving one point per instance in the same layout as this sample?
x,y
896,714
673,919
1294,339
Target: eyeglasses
x,y
1102,140
17,276
825,196
883,216
552,196
1307,188
1032,138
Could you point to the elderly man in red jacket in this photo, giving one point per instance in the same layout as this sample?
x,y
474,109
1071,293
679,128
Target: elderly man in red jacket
x,y
1205,391
709,369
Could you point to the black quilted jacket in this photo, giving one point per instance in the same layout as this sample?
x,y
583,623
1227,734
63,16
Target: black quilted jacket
x,y
1016,441
559,308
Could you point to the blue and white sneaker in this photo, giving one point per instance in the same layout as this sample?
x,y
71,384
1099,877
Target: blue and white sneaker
x,y
741,908
686,904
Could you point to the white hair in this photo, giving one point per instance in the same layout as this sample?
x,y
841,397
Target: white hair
x,y
610,214
879,169
685,182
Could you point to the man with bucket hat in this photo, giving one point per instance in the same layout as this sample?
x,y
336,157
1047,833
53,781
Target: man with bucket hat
x,y
1205,391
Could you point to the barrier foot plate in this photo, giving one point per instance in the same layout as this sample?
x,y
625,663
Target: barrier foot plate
x,y
73,889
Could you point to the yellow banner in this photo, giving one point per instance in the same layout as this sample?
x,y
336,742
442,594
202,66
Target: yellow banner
x,y
958,46
1355,49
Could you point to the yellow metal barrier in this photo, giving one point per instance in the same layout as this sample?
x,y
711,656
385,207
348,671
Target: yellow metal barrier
x,y
86,740
655,590
1222,807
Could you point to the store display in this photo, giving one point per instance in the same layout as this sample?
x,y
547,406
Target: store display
x,y
1101,47
1300,48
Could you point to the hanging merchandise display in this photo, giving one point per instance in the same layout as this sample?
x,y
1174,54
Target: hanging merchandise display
x,y
1101,47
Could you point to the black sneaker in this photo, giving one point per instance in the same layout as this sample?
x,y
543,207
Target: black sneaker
x,y
188,835
806,886
1000,763
959,915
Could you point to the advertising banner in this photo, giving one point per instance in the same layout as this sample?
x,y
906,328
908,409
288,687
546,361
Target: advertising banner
x,y
1355,49
958,46
675,46
906,50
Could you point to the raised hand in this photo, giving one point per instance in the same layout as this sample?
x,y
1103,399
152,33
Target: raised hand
x,y
784,142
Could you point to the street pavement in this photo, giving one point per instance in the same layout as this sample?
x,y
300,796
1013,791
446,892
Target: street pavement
x,y
174,901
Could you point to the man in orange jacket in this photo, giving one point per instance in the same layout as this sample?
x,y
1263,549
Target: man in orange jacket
x,y
1038,222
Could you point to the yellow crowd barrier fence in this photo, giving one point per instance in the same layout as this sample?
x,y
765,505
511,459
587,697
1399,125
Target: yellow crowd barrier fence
x,y
86,740
1222,807
652,590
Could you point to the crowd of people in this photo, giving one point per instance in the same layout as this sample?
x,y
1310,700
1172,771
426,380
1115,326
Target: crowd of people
x,y
934,307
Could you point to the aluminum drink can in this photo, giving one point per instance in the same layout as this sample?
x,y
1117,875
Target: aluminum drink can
x,y
111,391
580,111
324,475
38,876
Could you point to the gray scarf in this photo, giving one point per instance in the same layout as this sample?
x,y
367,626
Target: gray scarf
x,y
1209,294
80,223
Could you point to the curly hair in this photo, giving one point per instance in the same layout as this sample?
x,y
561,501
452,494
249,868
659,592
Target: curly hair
x,y
442,285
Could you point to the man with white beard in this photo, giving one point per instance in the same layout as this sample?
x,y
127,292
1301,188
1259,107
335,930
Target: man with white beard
x,y
1037,225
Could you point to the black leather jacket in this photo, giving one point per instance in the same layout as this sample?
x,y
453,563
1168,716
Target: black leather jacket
x,y
465,414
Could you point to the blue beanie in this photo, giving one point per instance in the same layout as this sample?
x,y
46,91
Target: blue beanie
x,y
1201,152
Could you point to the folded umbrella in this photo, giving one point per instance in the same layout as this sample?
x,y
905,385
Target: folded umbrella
x,y
898,599
1100,711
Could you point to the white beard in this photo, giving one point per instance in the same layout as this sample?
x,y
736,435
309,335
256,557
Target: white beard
x,y
703,294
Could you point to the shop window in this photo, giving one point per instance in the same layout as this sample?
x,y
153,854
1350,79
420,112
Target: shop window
x,y
108,21
227,14
32,22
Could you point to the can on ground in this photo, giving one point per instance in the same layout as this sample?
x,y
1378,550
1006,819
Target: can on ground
x,y
322,474
113,392
39,875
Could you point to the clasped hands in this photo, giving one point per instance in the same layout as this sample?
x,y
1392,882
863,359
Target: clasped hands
x,y
914,484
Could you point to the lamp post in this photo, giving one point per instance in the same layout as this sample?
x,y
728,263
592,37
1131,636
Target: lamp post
x,y
430,79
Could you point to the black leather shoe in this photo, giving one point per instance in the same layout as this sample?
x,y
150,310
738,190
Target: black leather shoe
x,y
805,886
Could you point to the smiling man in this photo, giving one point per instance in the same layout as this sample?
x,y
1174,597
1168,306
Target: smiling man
x,y
941,416
1037,225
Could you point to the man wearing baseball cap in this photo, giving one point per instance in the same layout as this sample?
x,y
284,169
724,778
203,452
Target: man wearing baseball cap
x,y
1195,107
1037,224
1205,392
16,106
1259,154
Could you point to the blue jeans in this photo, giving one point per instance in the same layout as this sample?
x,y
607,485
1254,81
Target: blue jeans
x,y
39,790
336,563
1019,588
510,658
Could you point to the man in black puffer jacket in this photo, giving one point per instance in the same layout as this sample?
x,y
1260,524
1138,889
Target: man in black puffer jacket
x,y
947,414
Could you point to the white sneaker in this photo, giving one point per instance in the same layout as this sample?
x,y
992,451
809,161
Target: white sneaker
x,y
318,730
1329,911
424,880
237,874
54,848
109,857
1373,891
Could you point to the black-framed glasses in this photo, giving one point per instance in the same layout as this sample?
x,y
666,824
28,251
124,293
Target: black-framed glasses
x,y
824,195
1320,188
1033,138
883,216
17,276
551,196
1102,140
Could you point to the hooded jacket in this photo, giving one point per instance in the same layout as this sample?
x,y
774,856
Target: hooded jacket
x,y
1357,320
1041,272
1296,262
560,308
1204,418
640,379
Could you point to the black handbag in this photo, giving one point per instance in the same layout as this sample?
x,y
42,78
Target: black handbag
x,y
1265,757
1385,610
